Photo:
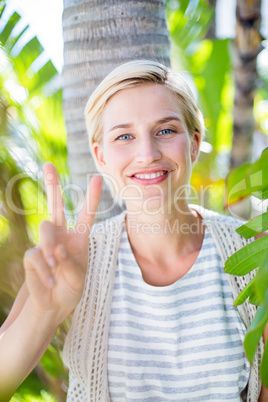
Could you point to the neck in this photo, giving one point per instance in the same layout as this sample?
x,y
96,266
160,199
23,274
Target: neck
x,y
159,236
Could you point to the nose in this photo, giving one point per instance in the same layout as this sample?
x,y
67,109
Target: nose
x,y
147,150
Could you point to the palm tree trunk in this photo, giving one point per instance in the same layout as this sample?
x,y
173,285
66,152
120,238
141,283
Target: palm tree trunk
x,y
98,36
247,47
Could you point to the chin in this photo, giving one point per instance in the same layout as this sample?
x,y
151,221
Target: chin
x,y
153,205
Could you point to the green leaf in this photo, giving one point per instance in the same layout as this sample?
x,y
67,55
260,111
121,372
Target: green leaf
x,y
255,332
14,39
262,279
45,74
2,7
245,293
11,23
248,179
263,195
254,226
254,299
264,153
247,258
264,366
27,56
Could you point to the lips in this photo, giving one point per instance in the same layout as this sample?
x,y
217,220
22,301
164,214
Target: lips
x,y
150,177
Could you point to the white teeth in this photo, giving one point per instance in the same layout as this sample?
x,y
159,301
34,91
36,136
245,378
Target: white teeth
x,y
150,176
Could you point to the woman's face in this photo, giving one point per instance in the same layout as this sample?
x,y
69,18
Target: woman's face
x,y
146,147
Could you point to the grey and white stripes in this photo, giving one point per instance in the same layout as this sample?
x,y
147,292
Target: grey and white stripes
x,y
182,342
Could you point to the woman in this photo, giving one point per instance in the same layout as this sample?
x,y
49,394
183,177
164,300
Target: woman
x,y
153,316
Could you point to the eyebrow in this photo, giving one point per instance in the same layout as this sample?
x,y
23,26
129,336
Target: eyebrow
x,y
161,121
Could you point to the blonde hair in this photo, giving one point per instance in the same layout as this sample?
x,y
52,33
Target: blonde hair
x,y
134,73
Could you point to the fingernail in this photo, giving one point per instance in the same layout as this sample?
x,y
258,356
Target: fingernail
x,y
51,262
51,282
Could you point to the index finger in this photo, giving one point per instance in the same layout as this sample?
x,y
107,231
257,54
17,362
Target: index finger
x,y
54,196
90,207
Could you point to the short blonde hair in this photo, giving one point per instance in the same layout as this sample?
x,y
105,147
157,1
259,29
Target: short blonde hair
x,y
134,73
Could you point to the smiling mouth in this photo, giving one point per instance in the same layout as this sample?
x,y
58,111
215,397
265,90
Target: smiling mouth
x,y
149,176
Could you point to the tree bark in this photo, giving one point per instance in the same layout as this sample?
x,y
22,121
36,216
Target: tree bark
x,y
98,36
247,47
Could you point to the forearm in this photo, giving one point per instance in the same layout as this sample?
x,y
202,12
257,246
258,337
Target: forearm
x,y
22,345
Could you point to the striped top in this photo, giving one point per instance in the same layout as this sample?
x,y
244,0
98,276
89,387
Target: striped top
x,y
182,342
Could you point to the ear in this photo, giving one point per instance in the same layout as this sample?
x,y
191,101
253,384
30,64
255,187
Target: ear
x,y
98,153
195,146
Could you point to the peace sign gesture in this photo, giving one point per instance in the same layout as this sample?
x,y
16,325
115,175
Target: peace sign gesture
x,y
55,270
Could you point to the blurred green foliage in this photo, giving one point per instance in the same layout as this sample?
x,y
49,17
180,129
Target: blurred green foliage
x,y
31,390
32,131
252,179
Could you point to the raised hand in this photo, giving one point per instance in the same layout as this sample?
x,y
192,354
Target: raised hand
x,y
55,270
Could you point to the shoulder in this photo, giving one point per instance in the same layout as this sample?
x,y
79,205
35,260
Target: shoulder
x,y
108,227
223,230
214,218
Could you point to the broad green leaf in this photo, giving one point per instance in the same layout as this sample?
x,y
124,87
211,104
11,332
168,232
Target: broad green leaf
x,y
11,23
27,56
263,195
254,299
254,226
262,279
248,179
255,332
264,366
45,74
14,39
247,258
245,293
2,7
264,153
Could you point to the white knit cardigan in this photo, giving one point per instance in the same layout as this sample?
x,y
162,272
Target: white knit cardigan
x,y
86,345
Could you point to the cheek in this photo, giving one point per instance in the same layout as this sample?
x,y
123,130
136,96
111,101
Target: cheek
x,y
116,160
179,150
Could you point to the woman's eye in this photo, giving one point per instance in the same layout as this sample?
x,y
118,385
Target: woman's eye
x,y
166,131
124,137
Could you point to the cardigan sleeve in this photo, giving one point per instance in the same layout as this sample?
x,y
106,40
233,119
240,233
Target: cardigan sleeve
x,y
76,391
85,349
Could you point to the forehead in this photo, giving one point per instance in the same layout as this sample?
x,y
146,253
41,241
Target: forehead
x,y
140,103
